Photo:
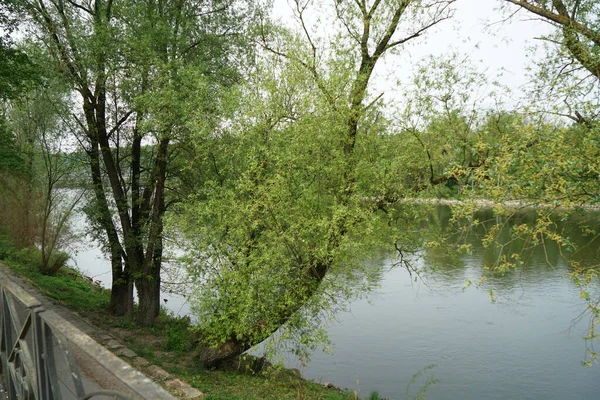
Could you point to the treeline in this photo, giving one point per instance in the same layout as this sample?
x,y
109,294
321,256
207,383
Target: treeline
x,y
262,150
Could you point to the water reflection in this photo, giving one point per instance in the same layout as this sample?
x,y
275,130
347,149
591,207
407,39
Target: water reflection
x,y
527,345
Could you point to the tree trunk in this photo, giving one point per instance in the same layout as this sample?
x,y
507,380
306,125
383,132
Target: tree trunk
x,y
121,298
149,282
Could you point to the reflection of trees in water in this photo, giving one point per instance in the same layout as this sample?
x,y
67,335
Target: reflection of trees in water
x,y
495,240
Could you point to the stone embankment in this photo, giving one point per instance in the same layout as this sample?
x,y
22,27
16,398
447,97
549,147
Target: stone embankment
x,y
94,376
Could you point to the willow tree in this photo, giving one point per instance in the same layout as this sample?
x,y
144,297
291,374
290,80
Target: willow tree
x,y
547,157
553,157
123,59
577,23
547,160
570,71
296,183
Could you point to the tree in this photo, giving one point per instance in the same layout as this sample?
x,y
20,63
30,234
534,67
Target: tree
x,y
442,123
18,74
32,166
572,67
119,57
578,24
41,132
556,156
282,214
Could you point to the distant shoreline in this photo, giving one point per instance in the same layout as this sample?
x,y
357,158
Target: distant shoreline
x,y
483,203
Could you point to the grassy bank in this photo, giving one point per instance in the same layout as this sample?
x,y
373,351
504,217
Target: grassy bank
x,y
170,343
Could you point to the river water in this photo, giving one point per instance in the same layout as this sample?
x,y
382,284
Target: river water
x,y
526,345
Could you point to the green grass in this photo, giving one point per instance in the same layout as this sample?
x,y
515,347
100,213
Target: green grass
x,y
283,384
68,287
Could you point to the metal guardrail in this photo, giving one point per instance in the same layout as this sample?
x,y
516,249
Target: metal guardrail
x,y
38,351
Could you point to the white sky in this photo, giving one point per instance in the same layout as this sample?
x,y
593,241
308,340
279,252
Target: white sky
x,y
477,30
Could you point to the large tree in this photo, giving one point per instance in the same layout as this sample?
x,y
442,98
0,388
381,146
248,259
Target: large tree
x,y
121,58
285,207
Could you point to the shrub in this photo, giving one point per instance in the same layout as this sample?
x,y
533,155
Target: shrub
x,y
54,263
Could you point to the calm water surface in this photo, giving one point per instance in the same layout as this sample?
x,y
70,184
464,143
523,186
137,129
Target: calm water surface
x,y
526,345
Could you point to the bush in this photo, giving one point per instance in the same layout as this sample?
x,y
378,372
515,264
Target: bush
x,y
374,396
176,333
6,248
32,258
54,263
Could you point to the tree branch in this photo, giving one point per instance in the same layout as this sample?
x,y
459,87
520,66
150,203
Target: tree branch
x,y
120,122
391,29
561,18
81,7
311,68
417,33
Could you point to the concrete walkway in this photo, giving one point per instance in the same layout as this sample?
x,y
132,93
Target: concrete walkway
x,y
96,376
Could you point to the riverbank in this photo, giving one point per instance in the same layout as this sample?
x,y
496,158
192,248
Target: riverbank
x,y
165,352
507,204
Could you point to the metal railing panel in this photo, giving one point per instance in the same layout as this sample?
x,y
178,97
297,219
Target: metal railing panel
x,y
37,360
18,361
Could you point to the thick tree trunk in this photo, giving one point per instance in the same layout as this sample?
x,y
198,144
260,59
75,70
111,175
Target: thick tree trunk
x,y
149,295
121,294
121,299
215,356
149,284
135,246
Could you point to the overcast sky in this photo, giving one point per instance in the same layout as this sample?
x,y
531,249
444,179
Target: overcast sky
x,y
478,30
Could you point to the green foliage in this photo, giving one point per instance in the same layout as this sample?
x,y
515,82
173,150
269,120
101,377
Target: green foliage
x,y
444,127
33,166
32,256
11,160
176,331
6,247
56,260
374,396
547,164
268,214
422,392
571,68
139,70
301,177
17,72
